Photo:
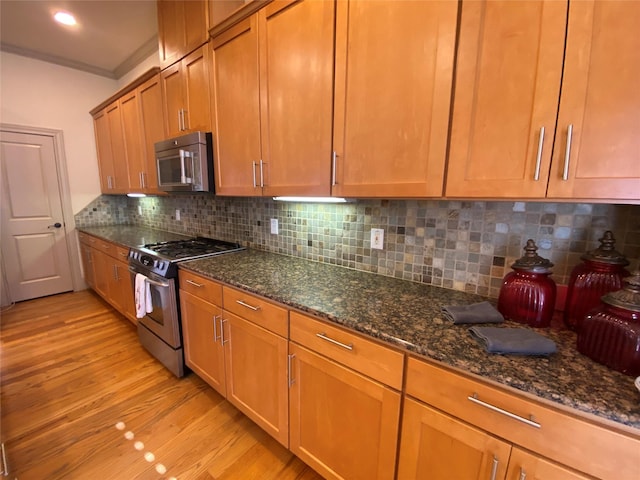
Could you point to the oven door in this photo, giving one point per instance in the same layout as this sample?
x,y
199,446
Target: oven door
x,y
163,320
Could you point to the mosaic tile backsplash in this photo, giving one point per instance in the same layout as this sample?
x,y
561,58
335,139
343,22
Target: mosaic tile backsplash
x,y
461,245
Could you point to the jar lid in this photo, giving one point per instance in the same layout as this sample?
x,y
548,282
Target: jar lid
x,y
605,253
629,297
531,261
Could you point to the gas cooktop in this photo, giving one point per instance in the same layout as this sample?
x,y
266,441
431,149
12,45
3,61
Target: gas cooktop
x,y
160,258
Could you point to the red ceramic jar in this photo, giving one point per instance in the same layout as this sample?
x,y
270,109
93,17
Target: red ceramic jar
x,y
528,294
602,272
610,333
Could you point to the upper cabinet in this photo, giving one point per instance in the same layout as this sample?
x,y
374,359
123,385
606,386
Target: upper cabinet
x,y
394,64
152,125
185,89
126,129
597,148
182,27
272,88
513,72
112,160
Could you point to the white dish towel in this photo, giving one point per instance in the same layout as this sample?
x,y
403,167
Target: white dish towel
x,y
142,290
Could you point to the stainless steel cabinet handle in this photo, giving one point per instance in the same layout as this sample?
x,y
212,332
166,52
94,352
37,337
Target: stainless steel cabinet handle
x,y
474,398
123,254
536,175
115,272
261,174
494,468
5,466
335,342
184,122
215,330
567,153
290,358
195,284
334,157
255,309
523,474
109,182
223,341
253,165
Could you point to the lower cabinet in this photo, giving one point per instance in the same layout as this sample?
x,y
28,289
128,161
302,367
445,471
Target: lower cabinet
x,y
202,336
460,427
353,408
107,272
240,351
343,423
439,447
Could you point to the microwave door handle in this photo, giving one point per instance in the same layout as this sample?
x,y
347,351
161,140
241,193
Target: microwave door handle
x,y
183,176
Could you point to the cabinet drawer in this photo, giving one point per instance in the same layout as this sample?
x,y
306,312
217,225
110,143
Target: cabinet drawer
x,y
350,349
88,239
121,253
259,310
568,439
201,287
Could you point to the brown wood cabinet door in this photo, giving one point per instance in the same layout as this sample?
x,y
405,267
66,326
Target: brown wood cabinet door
x,y
133,142
203,351
507,86
103,273
236,103
525,465
439,447
256,372
152,119
87,264
118,150
601,102
103,147
125,286
172,92
196,102
296,58
394,64
343,424
171,31
196,21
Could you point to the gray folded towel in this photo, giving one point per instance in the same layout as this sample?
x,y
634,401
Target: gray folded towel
x,y
482,312
514,341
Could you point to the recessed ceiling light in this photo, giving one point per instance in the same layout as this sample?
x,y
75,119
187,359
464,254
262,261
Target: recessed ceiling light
x,y
65,18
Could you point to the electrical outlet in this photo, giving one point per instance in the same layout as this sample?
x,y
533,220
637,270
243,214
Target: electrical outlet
x,y
274,226
139,209
177,214
377,238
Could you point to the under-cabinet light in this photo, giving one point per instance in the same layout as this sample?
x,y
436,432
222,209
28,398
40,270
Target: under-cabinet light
x,y
313,199
136,195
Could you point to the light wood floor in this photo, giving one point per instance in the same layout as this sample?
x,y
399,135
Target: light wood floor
x,y
72,371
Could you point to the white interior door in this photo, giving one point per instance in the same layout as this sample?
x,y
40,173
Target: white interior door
x,y
34,245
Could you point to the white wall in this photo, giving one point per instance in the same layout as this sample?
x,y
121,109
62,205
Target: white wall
x,y
41,94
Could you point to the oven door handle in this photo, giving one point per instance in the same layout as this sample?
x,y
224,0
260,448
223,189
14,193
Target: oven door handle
x,y
152,282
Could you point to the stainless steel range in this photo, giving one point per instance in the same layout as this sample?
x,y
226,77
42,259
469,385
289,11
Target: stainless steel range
x,y
159,328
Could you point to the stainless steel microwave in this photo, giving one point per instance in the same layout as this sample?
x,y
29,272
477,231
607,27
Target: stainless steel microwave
x,y
185,163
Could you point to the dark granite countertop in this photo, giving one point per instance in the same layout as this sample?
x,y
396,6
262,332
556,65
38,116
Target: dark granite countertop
x,y
408,315
131,236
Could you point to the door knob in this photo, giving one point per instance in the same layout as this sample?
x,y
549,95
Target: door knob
x,y
55,225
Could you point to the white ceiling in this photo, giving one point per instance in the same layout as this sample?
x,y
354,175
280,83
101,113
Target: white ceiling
x,y
111,37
